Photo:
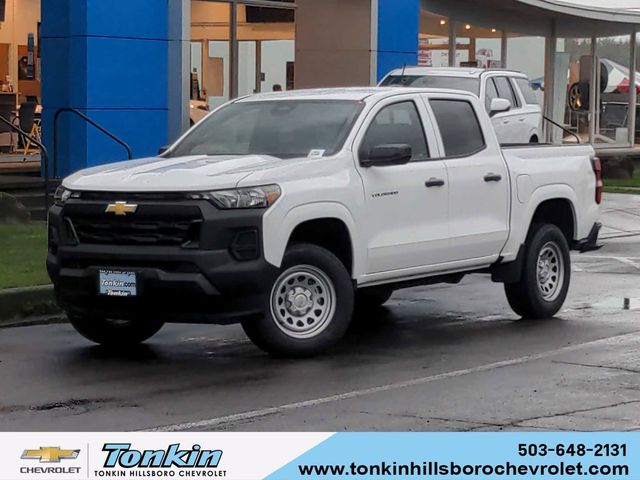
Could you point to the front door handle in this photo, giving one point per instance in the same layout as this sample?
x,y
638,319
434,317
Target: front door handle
x,y
434,182
492,177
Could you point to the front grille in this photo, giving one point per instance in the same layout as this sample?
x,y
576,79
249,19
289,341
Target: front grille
x,y
118,232
152,225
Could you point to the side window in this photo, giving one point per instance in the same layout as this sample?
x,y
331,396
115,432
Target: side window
x,y
490,94
397,123
506,91
459,127
527,92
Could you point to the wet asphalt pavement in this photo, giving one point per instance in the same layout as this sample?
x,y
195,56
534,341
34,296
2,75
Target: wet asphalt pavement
x,y
435,358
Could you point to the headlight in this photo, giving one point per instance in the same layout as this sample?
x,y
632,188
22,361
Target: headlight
x,y
251,197
61,196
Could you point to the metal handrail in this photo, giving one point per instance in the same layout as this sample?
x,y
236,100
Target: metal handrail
x,y
561,127
89,121
44,155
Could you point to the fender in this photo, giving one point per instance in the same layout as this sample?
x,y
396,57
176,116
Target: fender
x,y
278,227
522,215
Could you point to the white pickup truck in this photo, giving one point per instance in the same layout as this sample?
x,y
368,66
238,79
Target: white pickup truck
x,y
284,210
520,123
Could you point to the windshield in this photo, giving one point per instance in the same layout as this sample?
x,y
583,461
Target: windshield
x,y
434,81
280,128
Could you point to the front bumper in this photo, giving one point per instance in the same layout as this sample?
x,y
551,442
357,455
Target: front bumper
x,y
203,282
591,242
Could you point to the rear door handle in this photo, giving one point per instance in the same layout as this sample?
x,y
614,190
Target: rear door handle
x,y
434,182
492,177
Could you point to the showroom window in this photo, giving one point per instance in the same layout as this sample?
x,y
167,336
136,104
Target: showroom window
x,y
239,48
473,45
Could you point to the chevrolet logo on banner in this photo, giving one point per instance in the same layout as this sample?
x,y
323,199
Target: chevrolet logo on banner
x,y
121,208
50,454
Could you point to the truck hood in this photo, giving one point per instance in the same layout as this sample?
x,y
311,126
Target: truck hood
x,y
159,174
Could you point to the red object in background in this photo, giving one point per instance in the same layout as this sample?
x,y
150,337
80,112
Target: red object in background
x,y
624,86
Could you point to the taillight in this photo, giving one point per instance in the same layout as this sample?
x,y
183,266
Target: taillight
x,y
597,169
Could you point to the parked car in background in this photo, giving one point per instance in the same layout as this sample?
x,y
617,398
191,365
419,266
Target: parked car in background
x,y
282,211
521,123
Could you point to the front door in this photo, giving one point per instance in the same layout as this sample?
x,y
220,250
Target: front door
x,y
406,205
508,125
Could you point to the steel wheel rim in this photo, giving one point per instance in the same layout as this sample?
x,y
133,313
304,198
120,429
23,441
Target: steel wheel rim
x,y
550,271
303,301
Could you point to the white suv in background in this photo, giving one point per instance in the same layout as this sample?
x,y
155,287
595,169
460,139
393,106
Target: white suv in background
x,y
522,123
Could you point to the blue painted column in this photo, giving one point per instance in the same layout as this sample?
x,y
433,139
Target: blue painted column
x,y
109,59
398,27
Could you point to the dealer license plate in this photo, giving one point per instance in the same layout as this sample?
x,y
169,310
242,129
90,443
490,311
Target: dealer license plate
x,y
116,283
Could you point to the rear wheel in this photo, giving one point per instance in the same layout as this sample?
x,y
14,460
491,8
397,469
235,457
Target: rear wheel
x,y
546,274
110,332
309,307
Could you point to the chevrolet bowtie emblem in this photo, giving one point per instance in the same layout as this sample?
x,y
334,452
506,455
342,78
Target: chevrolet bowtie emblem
x,y
50,454
121,208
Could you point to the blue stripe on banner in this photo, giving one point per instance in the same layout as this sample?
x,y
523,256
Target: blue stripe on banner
x,y
440,456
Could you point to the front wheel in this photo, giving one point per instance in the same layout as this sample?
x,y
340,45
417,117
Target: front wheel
x,y
309,306
546,274
111,333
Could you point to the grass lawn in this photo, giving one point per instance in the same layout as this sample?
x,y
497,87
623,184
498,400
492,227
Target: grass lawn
x,y
23,250
623,185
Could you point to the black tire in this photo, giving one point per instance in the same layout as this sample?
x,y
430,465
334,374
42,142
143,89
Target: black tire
x,y
526,297
273,331
574,98
370,298
114,333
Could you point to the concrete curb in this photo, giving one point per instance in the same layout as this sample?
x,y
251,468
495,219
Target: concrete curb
x,y
28,306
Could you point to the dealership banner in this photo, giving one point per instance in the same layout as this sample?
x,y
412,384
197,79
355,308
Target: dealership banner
x,y
293,456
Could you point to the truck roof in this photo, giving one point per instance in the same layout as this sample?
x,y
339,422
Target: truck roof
x,y
348,93
475,72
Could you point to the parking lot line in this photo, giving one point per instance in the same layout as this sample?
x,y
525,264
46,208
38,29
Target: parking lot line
x,y
253,414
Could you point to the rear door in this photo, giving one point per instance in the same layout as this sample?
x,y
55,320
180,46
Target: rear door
x,y
478,180
406,205
500,125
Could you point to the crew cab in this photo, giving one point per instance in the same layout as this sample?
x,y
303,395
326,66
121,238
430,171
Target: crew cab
x,y
284,210
520,123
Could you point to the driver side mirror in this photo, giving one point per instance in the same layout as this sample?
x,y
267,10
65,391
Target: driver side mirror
x,y
499,105
386,155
